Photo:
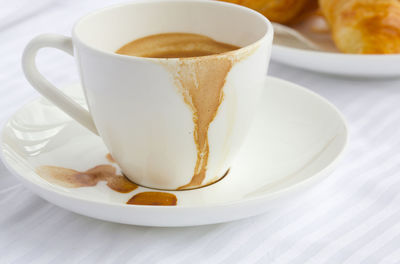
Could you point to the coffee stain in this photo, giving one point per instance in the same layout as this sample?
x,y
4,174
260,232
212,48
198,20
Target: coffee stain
x,y
201,81
75,179
110,158
153,198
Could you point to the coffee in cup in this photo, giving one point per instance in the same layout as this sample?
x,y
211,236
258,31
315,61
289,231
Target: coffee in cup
x,y
174,45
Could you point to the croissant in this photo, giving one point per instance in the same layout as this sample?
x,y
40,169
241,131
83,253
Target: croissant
x,y
364,26
281,11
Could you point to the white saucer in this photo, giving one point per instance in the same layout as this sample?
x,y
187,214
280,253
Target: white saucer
x,y
296,139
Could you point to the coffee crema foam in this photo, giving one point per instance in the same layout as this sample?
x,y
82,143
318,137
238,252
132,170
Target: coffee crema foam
x,y
174,45
199,75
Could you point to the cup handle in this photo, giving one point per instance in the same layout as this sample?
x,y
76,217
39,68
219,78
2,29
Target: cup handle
x,y
44,87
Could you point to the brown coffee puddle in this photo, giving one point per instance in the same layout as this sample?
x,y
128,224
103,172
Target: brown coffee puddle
x,y
110,158
153,198
75,179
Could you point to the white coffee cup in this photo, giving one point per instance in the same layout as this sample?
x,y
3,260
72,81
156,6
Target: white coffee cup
x,y
135,104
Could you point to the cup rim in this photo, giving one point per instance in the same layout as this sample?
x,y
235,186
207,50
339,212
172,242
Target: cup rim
x,y
269,29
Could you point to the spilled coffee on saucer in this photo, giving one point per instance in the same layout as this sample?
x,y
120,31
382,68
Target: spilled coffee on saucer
x,y
200,82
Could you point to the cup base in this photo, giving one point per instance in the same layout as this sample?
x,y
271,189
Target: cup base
x,y
188,189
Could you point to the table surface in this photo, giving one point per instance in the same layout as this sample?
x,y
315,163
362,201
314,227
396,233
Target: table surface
x,y
351,217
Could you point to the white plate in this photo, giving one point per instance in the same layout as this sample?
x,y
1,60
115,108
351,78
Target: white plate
x,y
289,52
296,139
376,66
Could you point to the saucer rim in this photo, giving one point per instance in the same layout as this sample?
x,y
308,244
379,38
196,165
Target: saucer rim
x,y
315,178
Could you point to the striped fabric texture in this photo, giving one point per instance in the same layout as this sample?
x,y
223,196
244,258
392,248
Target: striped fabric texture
x,y
351,217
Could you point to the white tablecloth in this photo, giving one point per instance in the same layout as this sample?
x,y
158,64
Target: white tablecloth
x,y
352,217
